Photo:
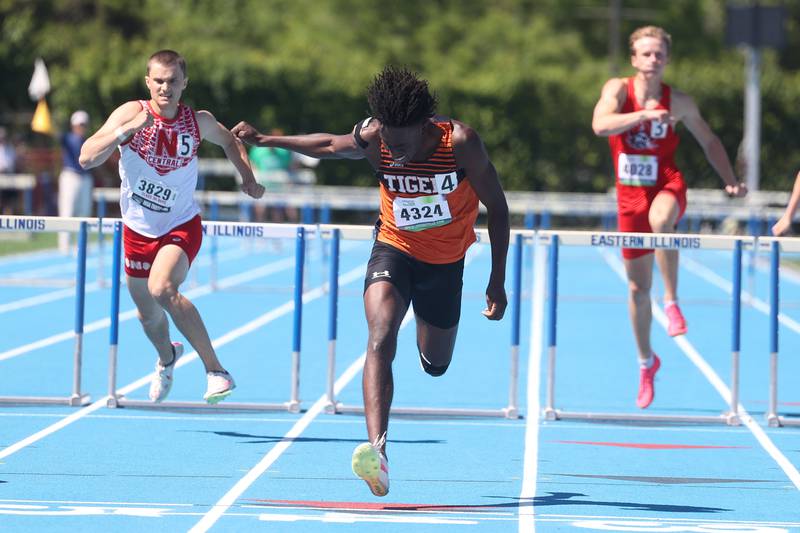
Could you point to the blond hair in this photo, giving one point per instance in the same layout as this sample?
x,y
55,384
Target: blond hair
x,y
650,31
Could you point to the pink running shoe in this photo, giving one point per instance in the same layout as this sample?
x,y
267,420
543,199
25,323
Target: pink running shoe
x,y
677,324
647,390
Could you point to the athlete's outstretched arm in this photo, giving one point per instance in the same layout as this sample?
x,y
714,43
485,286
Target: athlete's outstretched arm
x,y
687,111
215,132
472,157
318,145
607,120
784,224
126,120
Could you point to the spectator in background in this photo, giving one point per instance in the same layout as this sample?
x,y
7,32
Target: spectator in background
x,y
273,167
74,183
8,165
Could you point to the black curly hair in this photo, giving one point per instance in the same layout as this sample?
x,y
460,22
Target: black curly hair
x,y
398,97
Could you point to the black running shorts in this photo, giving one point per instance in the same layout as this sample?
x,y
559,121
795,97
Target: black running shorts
x,y
434,290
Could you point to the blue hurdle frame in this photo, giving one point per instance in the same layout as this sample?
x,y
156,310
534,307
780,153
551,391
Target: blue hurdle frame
x,y
520,239
115,399
52,224
775,245
554,239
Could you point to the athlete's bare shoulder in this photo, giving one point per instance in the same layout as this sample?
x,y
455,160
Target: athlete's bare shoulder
x,y
463,134
368,130
616,88
121,115
682,105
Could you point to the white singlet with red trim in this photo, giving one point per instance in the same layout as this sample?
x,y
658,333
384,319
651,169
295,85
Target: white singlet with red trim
x,y
158,168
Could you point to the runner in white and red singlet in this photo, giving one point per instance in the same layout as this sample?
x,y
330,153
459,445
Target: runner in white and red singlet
x,y
158,141
639,115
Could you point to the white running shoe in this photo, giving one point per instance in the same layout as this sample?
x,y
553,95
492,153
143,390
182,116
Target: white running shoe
x,y
372,466
161,383
220,386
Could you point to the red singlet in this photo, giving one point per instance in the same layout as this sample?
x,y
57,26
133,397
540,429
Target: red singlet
x,y
644,166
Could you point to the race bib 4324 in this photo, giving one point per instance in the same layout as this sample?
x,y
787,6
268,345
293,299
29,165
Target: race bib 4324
x,y
421,212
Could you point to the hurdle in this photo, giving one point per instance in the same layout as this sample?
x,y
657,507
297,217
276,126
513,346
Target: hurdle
x,y
332,406
615,240
775,245
49,225
218,229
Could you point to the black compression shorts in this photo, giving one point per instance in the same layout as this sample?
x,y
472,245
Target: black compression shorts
x,y
434,290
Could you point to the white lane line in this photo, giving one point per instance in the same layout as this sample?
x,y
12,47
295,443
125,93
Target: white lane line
x,y
224,503
788,468
718,281
44,298
91,287
220,341
530,467
227,500
197,292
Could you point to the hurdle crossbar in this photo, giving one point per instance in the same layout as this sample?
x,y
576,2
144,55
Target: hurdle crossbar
x,y
671,241
775,245
335,233
52,224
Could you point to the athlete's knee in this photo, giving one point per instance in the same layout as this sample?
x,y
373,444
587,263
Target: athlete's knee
x,y
430,368
640,293
382,341
164,292
433,365
662,224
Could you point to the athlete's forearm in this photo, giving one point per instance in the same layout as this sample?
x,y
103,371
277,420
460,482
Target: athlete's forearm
x,y
716,155
237,154
317,145
794,200
99,147
499,228
615,123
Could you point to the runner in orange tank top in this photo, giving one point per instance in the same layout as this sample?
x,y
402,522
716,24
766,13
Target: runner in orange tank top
x,y
639,116
432,172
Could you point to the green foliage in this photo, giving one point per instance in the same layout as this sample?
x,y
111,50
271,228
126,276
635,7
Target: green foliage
x,y
524,73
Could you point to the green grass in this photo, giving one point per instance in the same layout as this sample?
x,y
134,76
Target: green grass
x,y
15,243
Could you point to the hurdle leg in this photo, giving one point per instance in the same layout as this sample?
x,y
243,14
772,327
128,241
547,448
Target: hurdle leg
x,y
333,300
114,329
512,411
774,280
78,398
550,412
733,413
294,403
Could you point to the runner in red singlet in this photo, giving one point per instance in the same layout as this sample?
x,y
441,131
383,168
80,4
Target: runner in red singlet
x,y
432,172
158,141
639,115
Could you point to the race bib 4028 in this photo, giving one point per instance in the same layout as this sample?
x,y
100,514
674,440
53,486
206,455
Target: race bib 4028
x,y
637,170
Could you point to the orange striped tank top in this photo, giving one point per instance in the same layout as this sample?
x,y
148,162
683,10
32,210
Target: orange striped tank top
x,y
428,209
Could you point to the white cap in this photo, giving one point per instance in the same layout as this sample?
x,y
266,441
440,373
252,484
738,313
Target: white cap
x,y
79,117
